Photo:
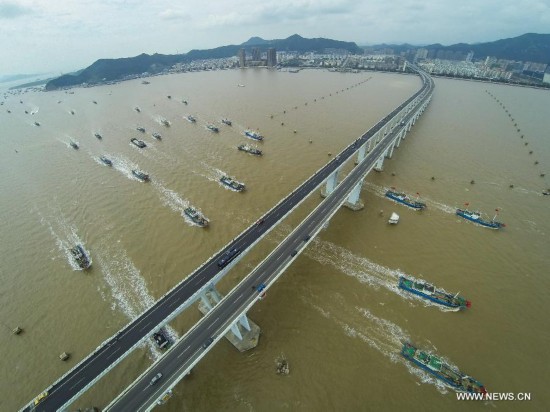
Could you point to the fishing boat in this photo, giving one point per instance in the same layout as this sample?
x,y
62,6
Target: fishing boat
x,y
74,144
106,160
196,216
232,184
477,218
98,136
165,122
249,149
140,129
402,198
137,109
157,135
36,124
212,128
139,143
437,367
227,122
191,119
80,257
161,340
253,135
140,175
429,292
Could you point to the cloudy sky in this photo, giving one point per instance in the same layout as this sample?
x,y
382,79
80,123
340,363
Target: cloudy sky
x,y
63,35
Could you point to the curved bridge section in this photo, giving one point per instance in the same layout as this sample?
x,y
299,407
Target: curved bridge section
x,y
371,148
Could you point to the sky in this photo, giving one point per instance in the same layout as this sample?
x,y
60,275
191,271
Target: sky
x,y
59,36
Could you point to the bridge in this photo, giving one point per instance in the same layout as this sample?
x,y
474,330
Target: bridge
x,y
372,148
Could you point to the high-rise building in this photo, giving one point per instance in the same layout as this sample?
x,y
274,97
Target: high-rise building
x,y
242,58
256,54
271,57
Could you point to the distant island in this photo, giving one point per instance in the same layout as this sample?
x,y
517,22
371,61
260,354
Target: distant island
x,y
534,48
105,70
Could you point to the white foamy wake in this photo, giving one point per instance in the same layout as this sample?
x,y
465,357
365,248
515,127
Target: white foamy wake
x,y
125,166
380,334
65,236
127,287
174,201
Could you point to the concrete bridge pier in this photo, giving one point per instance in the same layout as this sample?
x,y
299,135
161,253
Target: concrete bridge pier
x,y
389,151
332,182
379,165
400,137
361,153
353,201
244,333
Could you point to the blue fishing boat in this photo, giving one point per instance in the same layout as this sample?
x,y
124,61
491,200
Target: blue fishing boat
x,y
437,367
429,292
477,218
253,135
404,199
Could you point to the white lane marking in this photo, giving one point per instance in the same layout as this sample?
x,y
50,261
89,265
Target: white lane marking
x,y
76,384
212,323
116,350
145,327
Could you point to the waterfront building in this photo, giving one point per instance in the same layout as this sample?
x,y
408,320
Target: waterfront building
x,y
271,57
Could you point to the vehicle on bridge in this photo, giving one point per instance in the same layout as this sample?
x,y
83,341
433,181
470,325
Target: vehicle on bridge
x,y
207,343
228,257
261,290
40,398
155,379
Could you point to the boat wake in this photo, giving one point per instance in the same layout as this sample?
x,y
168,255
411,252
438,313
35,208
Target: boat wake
x,y
432,204
65,236
127,287
380,334
174,201
125,166
364,270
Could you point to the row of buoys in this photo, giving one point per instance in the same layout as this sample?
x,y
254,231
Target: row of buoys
x,y
518,129
271,116
322,97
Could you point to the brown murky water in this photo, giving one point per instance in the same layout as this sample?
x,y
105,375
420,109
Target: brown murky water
x,y
336,315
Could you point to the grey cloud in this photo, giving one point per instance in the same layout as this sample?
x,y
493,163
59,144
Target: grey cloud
x,y
12,10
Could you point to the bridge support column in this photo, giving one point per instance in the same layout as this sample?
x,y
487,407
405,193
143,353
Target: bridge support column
x,y
353,201
236,331
206,302
244,333
378,167
361,153
389,151
243,320
332,182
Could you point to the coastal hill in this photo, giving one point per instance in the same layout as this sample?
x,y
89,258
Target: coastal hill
x,y
527,47
115,69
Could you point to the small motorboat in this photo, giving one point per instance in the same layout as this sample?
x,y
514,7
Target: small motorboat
x,y
80,257
394,219
140,175
139,143
106,160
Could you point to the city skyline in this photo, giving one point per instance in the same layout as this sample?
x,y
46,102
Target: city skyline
x,y
43,36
